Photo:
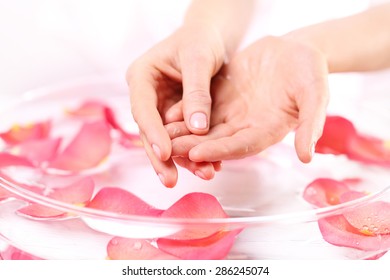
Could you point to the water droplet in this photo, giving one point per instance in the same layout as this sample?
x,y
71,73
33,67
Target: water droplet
x,y
114,242
375,228
365,227
137,246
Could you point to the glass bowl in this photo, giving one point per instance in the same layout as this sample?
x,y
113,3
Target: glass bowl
x,y
268,217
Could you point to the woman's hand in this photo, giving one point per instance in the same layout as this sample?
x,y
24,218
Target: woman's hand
x,y
274,86
180,68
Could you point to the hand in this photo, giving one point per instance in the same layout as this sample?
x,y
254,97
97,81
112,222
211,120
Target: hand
x,y
179,68
274,86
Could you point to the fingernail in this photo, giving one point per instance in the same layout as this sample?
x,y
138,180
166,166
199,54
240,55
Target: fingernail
x,y
200,174
157,151
198,120
162,178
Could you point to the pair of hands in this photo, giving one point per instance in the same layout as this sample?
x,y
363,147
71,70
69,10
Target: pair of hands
x,y
195,111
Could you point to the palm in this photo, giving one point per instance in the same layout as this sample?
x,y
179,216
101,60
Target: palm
x,y
273,87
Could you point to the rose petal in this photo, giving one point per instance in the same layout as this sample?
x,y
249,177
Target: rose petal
x,y
20,133
38,211
337,231
369,150
196,206
134,249
341,137
87,150
127,139
117,200
370,219
324,192
78,193
214,247
334,140
12,253
7,159
89,108
38,150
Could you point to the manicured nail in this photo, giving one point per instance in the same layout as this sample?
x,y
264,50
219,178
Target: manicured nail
x,y
162,178
157,151
198,120
200,174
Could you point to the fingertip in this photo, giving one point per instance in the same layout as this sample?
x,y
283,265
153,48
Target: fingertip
x,y
199,123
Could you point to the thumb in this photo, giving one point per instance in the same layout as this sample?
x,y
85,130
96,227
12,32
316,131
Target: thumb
x,y
197,73
312,115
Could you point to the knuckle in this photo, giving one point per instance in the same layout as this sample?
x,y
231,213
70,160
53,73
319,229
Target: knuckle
x,y
199,96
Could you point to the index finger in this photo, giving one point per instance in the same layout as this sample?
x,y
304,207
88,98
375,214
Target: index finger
x,y
144,102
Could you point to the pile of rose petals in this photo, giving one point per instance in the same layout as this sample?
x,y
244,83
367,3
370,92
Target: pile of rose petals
x,y
340,137
365,227
32,146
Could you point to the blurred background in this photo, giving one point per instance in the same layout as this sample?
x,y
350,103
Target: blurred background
x,y
45,42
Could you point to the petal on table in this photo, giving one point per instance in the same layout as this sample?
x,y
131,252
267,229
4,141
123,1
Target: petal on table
x,y
88,149
214,247
20,133
120,248
338,231
117,200
196,206
324,192
336,134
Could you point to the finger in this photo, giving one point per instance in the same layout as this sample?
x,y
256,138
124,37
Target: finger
x,y
174,113
244,143
182,145
197,73
204,170
166,170
177,129
312,115
143,98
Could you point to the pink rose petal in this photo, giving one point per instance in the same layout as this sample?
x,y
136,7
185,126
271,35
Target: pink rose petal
x,y
120,248
338,231
370,219
89,108
38,150
78,193
127,139
87,150
119,201
20,133
334,140
7,159
214,247
324,192
196,206
12,253
341,137
369,150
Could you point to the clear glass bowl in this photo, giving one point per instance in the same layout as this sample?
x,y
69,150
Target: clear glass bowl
x,y
262,195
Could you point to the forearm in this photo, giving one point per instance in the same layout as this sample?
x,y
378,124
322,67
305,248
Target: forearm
x,y
356,43
229,17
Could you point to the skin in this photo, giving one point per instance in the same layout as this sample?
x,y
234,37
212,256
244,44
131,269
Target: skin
x,y
274,86
180,68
